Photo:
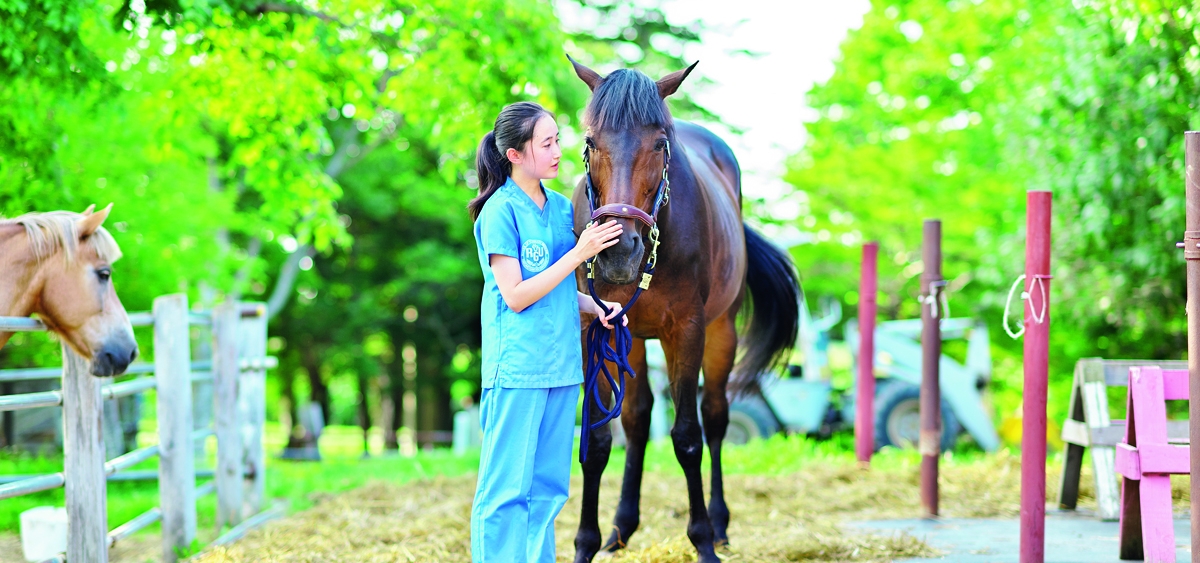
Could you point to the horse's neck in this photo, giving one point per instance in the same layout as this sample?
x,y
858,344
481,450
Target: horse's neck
x,y
18,273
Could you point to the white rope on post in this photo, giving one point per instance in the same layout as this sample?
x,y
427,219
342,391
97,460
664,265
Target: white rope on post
x,y
1037,318
1007,307
937,295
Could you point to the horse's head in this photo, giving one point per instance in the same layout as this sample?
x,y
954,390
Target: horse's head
x,y
77,300
629,137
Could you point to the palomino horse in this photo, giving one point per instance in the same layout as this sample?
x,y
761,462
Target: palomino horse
x,y
59,265
707,261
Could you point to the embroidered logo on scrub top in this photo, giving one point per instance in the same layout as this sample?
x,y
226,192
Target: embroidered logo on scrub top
x,y
535,256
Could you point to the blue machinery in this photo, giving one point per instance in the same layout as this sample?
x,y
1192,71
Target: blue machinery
x,y
803,402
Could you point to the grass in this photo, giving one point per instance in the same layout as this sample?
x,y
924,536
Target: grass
x,y
299,483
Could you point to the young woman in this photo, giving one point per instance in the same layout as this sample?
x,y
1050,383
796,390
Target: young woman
x,y
532,362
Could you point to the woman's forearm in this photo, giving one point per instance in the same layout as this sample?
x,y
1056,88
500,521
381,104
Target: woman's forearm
x,y
520,295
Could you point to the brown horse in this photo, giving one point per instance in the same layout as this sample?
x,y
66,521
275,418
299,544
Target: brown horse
x,y
707,261
59,265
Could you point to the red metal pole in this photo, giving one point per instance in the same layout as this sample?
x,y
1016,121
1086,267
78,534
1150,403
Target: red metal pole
x,y
1037,358
864,421
1191,253
930,439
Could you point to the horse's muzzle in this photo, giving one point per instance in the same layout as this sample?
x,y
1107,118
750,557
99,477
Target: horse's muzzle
x,y
114,358
620,264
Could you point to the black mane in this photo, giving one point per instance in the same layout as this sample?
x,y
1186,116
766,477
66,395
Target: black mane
x,y
628,99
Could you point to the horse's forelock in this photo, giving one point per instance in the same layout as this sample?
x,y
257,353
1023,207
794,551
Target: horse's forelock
x,y
627,99
56,231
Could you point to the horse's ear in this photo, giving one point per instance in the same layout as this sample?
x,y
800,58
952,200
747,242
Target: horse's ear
x,y
89,210
91,222
668,84
587,75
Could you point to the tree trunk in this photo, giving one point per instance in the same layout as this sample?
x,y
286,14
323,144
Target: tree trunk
x,y
393,395
364,412
318,390
288,390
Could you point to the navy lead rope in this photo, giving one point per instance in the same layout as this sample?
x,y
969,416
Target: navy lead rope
x,y
599,349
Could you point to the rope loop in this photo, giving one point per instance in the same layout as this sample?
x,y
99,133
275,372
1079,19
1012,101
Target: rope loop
x,y
937,295
1007,305
600,351
1037,317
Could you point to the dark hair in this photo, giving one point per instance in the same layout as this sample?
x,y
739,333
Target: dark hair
x,y
514,127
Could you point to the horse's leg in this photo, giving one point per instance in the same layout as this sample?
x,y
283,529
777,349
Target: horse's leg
x,y
720,346
635,418
587,538
684,348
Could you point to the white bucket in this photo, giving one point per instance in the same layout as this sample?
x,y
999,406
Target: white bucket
x,y
43,532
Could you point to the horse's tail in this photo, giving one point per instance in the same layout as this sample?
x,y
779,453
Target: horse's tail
x,y
773,310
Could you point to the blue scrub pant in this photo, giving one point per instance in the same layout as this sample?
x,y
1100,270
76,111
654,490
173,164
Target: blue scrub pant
x,y
524,473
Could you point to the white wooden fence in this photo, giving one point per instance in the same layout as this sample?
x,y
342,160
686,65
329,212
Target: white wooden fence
x,y
238,371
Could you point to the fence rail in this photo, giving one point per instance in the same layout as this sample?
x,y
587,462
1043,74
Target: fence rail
x,y
238,365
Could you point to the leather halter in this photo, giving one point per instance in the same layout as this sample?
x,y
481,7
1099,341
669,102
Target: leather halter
x,y
625,210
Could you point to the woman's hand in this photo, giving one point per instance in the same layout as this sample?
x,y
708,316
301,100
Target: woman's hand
x,y
596,238
614,309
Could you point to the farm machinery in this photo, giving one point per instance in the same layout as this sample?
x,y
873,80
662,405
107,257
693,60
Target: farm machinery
x,y
803,399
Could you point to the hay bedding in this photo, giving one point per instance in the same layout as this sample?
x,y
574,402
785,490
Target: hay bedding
x,y
788,518
791,517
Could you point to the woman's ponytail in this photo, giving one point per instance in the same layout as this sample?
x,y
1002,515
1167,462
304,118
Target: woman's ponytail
x,y
514,128
492,169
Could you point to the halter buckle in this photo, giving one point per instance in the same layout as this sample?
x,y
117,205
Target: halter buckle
x,y
653,261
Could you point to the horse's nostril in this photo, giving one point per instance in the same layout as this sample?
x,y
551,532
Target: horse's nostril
x,y
133,355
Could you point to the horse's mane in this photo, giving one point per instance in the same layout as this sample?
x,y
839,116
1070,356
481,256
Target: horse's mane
x,y
53,231
625,99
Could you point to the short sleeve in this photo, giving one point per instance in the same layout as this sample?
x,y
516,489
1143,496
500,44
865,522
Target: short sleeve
x,y
498,230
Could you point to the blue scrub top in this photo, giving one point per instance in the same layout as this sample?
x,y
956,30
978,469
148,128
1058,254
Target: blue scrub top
x,y
540,346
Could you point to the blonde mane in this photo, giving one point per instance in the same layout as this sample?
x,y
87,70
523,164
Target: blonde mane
x,y
53,231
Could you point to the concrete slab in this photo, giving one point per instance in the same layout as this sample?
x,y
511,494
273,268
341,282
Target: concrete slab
x,y
1070,538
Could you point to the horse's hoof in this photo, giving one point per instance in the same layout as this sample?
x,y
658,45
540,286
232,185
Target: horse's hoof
x,y
721,543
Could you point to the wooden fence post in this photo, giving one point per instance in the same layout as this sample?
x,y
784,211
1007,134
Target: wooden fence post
x,y
83,450
930,440
1036,377
202,393
228,475
1191,254
864,419
176,467
252,389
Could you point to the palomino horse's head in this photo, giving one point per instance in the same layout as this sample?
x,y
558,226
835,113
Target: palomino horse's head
x,y
69,258
629,137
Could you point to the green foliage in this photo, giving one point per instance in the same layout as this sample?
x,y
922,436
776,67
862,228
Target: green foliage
x,y
1110,145
911,127
954,109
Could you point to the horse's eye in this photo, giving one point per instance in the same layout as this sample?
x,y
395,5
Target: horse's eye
x,y
660,145
590,143
104,274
